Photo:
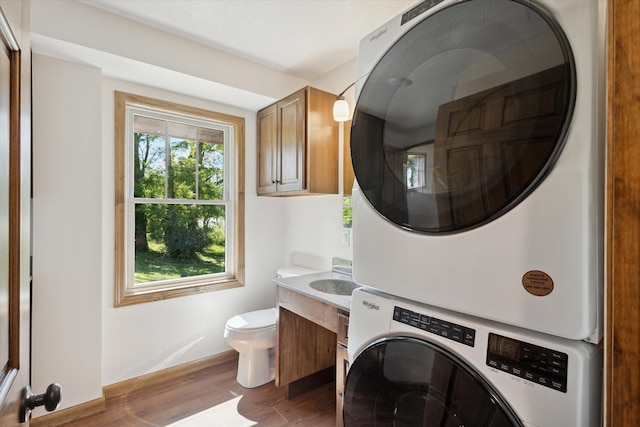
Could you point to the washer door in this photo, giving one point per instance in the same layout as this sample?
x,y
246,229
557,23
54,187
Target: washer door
x,y
464,115
403,381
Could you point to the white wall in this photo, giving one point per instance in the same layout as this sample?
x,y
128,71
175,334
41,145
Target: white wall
x,y
147,337
80,339
314,231
67,224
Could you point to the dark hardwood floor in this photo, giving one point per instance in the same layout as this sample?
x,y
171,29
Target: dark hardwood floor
x,y
212,397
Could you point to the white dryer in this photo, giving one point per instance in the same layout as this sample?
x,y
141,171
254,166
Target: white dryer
x,y
478,149
416,365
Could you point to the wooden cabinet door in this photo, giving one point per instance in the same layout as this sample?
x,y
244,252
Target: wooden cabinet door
x,y
292,121
267,149
304,347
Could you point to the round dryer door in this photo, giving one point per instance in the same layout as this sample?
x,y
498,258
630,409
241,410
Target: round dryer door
x,y
464,115
403,381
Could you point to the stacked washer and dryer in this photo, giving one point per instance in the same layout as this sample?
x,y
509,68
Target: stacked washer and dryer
x,y
478,149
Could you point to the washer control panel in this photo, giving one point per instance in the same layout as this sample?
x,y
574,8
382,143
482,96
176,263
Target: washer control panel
x,y
537,364
436,326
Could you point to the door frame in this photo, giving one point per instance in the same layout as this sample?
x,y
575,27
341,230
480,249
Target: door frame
x,y
622,323
15,30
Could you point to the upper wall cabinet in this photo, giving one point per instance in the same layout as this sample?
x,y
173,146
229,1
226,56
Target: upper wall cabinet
x,y
298,145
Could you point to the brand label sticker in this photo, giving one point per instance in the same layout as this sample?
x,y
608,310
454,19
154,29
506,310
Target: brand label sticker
x,y
537,283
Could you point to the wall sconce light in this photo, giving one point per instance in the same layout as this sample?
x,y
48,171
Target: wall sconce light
x,y
341,107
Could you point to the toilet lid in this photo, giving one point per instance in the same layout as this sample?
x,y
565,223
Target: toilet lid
x,y
259,319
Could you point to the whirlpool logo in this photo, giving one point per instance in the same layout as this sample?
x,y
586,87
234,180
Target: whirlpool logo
x,y
370,305
378,35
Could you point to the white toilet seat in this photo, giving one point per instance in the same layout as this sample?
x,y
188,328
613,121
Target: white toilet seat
x,y
253,321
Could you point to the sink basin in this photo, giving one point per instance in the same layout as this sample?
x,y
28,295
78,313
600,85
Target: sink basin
x,y
334,286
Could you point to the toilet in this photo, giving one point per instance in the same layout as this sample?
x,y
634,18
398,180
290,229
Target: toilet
x,y
253,336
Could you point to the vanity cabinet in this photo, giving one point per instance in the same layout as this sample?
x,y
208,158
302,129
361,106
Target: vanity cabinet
x,y
305,342
311,345
298,145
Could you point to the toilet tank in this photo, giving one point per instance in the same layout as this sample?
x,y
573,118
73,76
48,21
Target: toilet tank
x,y
293,270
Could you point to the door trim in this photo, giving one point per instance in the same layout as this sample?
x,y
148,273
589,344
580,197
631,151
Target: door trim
x,y
622,259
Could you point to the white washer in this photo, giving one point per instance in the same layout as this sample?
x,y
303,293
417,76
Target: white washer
x,y
413,364
478,150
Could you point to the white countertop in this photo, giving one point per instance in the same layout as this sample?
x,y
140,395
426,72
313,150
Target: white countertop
x,y
301,284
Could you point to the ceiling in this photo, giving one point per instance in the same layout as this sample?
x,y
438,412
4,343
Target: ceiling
x,y
304,38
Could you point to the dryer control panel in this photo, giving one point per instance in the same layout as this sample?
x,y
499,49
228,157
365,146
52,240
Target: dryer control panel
x,y
537,364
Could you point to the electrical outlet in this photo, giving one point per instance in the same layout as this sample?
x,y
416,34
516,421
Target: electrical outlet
x,y
346,238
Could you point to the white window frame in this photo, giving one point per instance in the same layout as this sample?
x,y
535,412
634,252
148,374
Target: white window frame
x,y
126,291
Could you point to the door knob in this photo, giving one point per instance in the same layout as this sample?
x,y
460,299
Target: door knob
x,y
50,399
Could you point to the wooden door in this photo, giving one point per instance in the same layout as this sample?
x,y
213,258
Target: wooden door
x,y
622,322
267,149
15,135
292,125
482,160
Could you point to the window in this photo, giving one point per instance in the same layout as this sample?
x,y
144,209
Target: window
x,y
415,171
179,200
347,211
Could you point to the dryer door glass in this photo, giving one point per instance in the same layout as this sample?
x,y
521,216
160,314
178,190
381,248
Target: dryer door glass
x,y
464,115
400,382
